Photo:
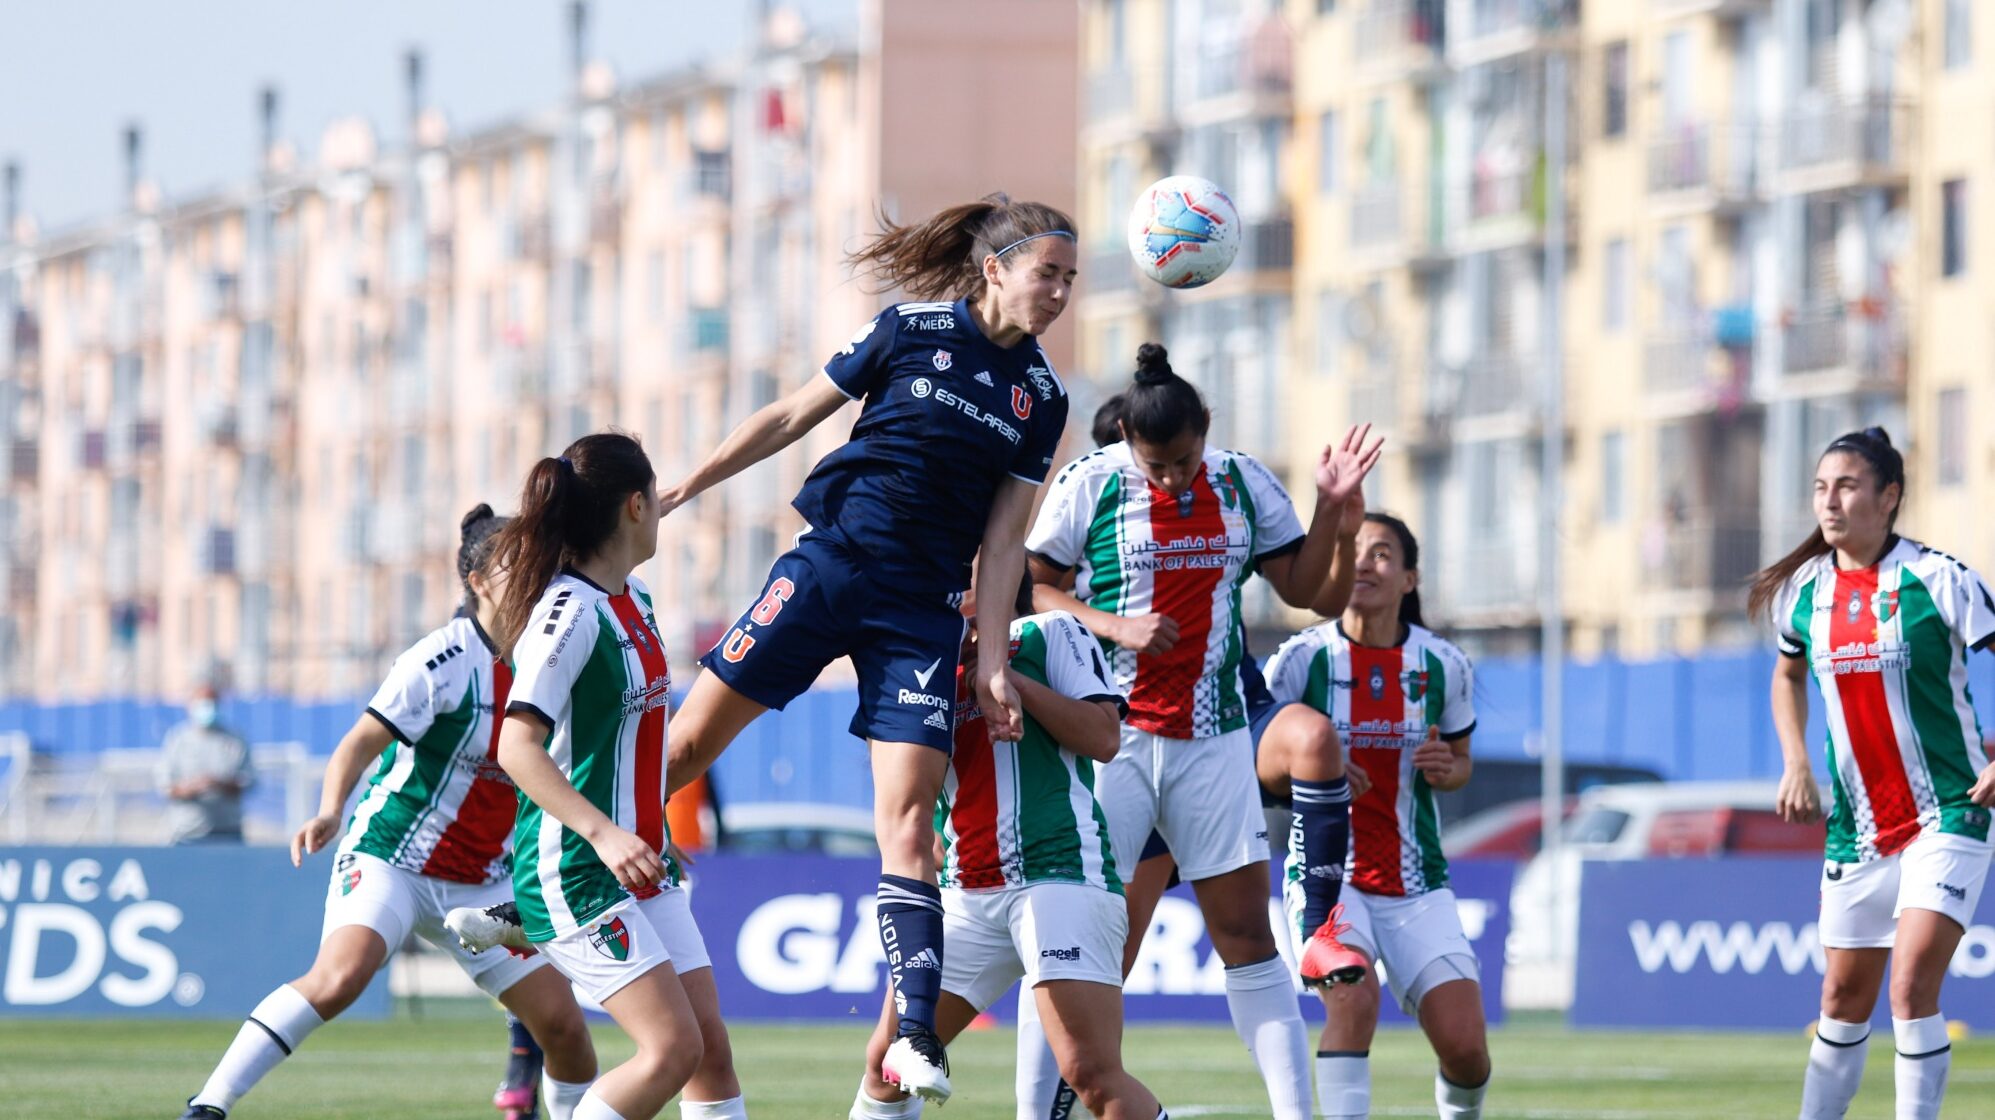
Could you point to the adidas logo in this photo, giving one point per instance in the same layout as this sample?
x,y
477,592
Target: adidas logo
x,y
924,959
984,378
936,719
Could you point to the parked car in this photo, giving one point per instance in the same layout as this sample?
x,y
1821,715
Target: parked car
x,y
1681,820
1512,830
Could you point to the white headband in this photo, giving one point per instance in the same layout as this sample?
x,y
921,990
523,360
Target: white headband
x,y
1068,234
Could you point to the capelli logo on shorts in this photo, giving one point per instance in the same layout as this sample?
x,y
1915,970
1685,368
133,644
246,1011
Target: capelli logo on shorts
x,y
1958,894
1072,955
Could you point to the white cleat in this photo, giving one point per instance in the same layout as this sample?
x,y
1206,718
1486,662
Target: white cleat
x,y
493,927
916,1064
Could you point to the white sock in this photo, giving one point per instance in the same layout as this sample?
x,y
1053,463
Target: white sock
x,y
864,1107
278,1026
1037,1081
562,1096
591,1107
1266,1016
1344,1084
1835,1068
1456,1102
1924,1056
729,1109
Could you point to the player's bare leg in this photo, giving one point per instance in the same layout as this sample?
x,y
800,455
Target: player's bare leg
x,y
654,1011
1924,947
1343,1050
1259,991
545,1004
1851,980
1451,1016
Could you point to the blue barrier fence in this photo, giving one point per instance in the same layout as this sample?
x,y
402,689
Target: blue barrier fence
x,y
1704,718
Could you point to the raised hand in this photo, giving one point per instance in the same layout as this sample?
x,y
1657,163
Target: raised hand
x,y
1342,468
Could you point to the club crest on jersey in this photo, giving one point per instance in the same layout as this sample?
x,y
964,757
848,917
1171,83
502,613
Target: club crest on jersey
x,y
1021,402
943,360
1854,609
611,939
1377,682
1885,605
1415,683
1228,493
349,881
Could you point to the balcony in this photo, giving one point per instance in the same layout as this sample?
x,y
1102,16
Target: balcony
x,y
1864,348
1377,213
1109,270
706,329
1111,94
1485,31
1496,384
1489,575
1702,551
1267,246
1500,209
1678,360
216,551
1702,166
1722,9
1847,144
1398,40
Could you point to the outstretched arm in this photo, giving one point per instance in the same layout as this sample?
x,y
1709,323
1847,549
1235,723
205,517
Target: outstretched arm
x,y
1298,577
769,430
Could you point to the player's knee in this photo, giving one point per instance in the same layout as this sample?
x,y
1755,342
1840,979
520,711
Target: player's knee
x,y
562,1032
1241,938
332,986
1090,1074
718,1050
1846,998
671,1066
1350,1003
1914,996
1464,1058
1315,746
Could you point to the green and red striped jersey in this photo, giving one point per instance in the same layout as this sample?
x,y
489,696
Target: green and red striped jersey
x,y
1025,812
590,665
1888,645
1383,700
1138,550
437,803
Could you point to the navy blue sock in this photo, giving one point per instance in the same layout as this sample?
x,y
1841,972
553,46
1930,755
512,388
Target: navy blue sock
x,y
1321,831
524,1068
910,913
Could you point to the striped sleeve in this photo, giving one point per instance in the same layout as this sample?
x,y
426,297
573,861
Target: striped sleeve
x,y
1060,532
551,653
1277,530
1458,706
1963,600
406,702
1074,664
1288,669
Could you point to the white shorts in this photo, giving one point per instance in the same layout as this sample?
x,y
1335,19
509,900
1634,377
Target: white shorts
x,y
394,902
1417,942
1201,795
628,940
1041,931
1939,872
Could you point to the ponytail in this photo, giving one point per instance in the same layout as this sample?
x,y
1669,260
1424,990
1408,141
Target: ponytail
x,y
1409,549
1159,406
1108,422
568,512
478,533
943,257
1873,445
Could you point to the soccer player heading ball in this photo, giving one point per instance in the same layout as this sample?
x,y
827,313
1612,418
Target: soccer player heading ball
x,y
1885,625
961,416
1148,541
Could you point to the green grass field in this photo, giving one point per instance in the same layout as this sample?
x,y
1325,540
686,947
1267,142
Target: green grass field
x,y
444,1063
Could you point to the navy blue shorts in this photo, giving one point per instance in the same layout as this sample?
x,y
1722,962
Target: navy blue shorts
x,y
817,606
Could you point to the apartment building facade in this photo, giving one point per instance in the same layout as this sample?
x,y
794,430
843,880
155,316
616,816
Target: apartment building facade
x,y
239,431
1766,239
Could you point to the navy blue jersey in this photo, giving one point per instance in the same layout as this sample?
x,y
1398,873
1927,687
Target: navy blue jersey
x,y
948,415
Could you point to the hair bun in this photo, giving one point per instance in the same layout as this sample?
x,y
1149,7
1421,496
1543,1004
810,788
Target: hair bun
x,y
1153,364
479,512
1878,434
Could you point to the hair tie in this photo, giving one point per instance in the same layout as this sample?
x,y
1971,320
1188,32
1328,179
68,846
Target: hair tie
x,y
564,461
1068,234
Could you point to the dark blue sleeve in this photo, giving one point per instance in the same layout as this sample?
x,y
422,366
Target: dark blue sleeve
x,y
862,366
1034,460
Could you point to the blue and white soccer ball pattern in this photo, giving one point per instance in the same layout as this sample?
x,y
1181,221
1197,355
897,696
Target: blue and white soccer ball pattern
x,y
1183,231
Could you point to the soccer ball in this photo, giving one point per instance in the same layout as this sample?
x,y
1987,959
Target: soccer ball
x,y
1183,231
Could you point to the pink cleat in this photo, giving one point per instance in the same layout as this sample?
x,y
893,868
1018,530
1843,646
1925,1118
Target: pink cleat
x,y
1328,961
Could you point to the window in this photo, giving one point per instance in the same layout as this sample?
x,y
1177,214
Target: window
x,y
1329,330
1613,477
1959,33
654,283
1614,285
1953,436
1329,160
1614,110
1953,227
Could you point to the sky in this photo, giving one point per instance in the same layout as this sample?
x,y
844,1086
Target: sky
x,y
73,73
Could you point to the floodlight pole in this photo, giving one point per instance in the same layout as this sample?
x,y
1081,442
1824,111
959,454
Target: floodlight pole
x,y
1552,494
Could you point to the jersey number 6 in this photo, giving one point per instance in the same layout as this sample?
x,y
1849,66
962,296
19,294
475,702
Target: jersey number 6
x,y
765,612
